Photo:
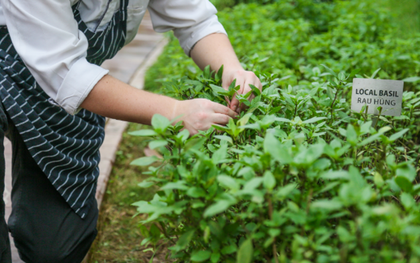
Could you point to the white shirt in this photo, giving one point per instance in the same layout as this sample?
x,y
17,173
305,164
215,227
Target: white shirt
x,y
59,65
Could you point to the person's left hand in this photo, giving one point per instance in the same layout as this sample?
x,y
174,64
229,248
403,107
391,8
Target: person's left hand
x,y
244,79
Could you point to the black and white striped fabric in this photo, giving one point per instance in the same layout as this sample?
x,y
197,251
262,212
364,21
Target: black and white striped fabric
x,y
66,147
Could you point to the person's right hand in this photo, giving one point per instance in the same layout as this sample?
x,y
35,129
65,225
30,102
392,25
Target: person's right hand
x,y
200,114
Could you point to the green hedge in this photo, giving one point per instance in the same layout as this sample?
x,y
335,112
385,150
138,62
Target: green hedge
x,y
298,177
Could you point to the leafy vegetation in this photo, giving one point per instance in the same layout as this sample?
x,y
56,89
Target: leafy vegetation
x,y
118,231
298,177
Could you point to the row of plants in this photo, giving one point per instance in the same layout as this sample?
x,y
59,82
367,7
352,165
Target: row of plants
x,y
118,232
298,177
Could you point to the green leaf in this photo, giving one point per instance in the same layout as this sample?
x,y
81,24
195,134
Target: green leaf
x,y
180,185
154,231
327,204
228,182
407,200
351,135
375,73
314,119
253,183
276,150
404,183
246,172
269,180
411,79
233,87
356,177
219,73
328,187
143,133
144,161
385,209
398,135
183,135
370,139
224,138
408,171
345,235
282,120
215,257
221,128
196,192
228,249
200,256
255,104
336,175
145,184
184,240
376,136
365,127
286,190
219,90
160,123
220,154
245,252
207,72
377,178
157,144
342,132
216,208
330,93
329,70
252,126
194,143
268,120
307,156
244,120
255,90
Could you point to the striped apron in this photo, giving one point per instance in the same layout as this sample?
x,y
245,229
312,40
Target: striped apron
x,y
66,147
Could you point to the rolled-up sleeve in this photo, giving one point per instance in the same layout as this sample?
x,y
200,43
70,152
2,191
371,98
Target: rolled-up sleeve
x,y
191,20
46,37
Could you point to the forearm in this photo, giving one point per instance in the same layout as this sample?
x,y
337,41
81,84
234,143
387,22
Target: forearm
x,y
215,50
115,99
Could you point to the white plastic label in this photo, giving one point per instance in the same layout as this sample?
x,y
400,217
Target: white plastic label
x,y
375,93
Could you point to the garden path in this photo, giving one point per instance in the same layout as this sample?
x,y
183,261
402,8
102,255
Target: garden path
x,y
129,65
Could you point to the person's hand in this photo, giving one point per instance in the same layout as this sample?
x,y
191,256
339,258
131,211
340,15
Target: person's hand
x,y
200,114
244,79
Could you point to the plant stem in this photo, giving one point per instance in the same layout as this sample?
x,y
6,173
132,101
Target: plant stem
x,y
332,107
165,234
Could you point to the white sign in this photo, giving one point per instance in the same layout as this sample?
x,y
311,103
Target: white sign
x,y
375,93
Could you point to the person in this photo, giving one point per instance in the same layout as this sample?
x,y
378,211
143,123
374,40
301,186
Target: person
x,y
54,96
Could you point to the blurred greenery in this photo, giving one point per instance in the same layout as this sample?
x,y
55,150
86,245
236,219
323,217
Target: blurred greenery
x,y
287,36
119,237
406,14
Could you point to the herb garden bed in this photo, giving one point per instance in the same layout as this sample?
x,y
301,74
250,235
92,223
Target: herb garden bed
x,y
297,177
